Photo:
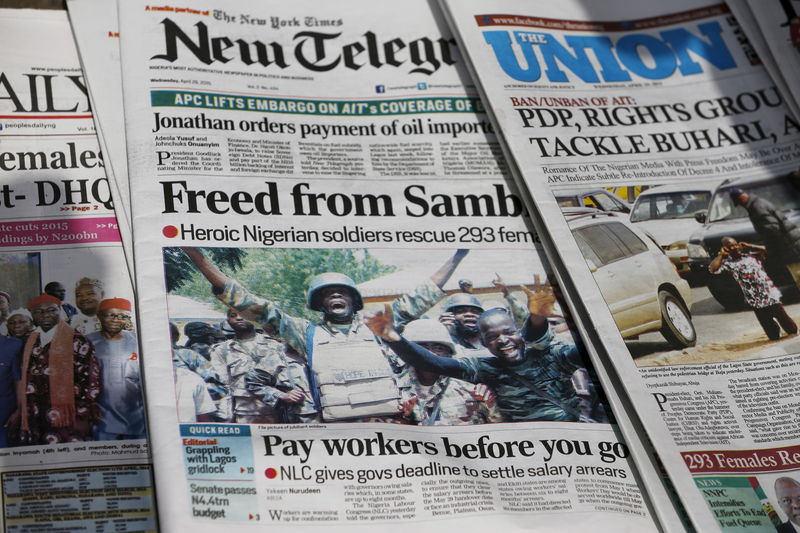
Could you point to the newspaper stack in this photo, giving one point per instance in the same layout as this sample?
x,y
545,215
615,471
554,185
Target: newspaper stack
x,y
73,437
587,248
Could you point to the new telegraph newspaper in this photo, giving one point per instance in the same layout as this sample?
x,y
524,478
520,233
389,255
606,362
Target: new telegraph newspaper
x,y
320,205
73,448
663,162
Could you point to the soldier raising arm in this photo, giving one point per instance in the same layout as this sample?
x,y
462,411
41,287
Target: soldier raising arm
x,y
533,383
338,344
333,294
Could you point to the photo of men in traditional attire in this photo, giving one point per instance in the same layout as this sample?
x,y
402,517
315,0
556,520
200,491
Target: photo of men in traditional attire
x,y
60,379
117,350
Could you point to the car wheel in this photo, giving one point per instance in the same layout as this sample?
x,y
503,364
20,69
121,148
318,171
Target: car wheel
x,y
677,325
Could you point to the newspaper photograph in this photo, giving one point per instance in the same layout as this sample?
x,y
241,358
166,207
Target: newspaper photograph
x,y
662,161
73,432
331,256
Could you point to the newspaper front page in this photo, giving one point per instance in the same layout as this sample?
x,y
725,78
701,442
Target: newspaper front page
x,y
662,160
73,452
94,26
302,176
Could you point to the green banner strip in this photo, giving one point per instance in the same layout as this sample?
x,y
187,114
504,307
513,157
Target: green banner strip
x,y
298,106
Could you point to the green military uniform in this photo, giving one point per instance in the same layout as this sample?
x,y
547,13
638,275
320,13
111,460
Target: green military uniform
x,y
548,364
518,310
194,362
231,361
448,402
297,331
283,372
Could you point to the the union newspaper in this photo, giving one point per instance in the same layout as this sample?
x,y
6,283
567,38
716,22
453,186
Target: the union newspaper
x,y
321,213
661,158
73,452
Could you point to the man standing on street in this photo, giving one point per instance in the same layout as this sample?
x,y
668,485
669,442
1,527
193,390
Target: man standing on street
x,y
779,236
743,261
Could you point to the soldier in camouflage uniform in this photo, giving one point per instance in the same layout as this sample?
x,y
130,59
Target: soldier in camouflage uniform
x,y
532,383
281,381
194,362
436,400
461,312
232,360
340,331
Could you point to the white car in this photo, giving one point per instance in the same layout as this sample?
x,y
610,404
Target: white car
x,y
667,213
638,282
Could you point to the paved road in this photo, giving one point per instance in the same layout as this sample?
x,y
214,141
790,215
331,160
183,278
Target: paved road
x,y
721,336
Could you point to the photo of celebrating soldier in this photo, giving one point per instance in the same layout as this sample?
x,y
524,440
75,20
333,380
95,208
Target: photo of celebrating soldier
x,y
312,337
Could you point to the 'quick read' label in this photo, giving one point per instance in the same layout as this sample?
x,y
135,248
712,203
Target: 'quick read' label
x,y
219,468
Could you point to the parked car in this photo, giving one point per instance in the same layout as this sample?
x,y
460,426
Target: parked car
x,y
600,199
725,219
667,213
637,280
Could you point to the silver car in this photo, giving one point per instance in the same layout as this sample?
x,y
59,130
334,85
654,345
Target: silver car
x,y
637,280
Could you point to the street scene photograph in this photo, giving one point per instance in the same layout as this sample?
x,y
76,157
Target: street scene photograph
x,y
699,272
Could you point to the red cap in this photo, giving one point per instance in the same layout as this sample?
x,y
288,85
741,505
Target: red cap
x,y
43,299
115,303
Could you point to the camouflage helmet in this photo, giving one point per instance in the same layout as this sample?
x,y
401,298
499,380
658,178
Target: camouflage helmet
x,y
332,279
461,299
429,330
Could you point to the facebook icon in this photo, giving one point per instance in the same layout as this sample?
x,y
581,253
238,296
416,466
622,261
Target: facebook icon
x,y
380,89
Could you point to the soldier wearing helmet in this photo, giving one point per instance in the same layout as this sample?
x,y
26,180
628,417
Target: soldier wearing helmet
x,y
350,373
461,312
531,372
433,399
460,315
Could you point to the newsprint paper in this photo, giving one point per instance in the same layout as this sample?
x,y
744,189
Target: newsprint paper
x,y
94,26
663,162
304,175
72,431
